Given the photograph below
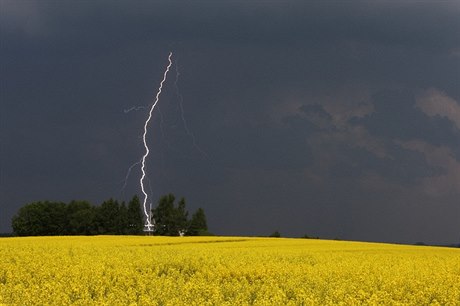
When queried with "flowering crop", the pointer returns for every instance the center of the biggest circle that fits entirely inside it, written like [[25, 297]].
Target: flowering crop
[[134, 270]]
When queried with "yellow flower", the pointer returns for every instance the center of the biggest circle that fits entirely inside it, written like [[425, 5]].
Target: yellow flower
[[134, 270]]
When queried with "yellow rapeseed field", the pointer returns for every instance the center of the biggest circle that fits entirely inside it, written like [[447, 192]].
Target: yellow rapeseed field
[[136, 270]]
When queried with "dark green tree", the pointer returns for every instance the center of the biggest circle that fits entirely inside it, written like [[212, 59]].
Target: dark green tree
[[40, 219], [110, 218], [122, 219], [106, 219], [198, 224], [135, 216], [27, 222], [181, 218], [55, 218], [163, 215], [80, 218], [169, 219]]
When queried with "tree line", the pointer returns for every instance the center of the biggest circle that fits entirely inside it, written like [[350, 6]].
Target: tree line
[[46, 218]]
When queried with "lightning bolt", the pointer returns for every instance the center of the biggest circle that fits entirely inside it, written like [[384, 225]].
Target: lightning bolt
[[181, 108], [125, 181], [148, 224], [134, 108]]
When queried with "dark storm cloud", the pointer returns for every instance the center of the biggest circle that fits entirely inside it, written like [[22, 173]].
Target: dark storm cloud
[[356, 156], [316, 110], [396, 116], [315, 117], [95, 26], [265, 147]]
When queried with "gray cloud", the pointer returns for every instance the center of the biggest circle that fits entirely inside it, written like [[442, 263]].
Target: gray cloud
[[432, 26], [435, 103], [321, 118], [447, 180], [396, 116]]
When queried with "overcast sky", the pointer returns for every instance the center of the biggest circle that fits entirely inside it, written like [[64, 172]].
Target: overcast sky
[[332, 119]]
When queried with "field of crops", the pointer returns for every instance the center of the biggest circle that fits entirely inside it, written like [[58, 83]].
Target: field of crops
[[123, 270]]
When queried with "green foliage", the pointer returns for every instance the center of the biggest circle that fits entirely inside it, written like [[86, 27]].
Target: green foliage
[[172, 220], [169, 219], [40, 219], [198, 224], [110, 218], [309, 237], [80, 218], [134, 217], [107, 217], [181, 218], [122, 219], [275, 234]]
